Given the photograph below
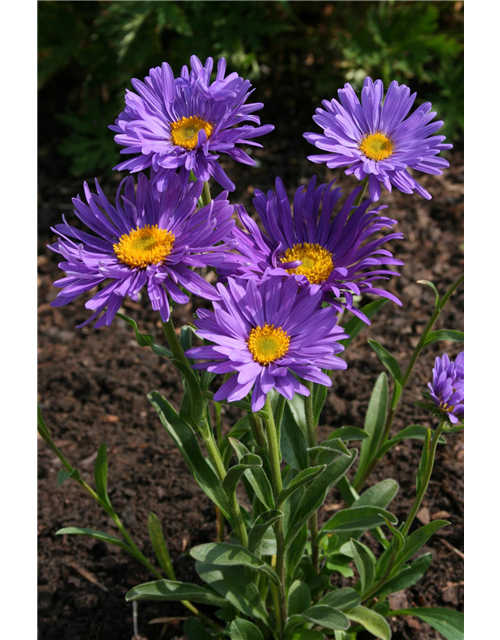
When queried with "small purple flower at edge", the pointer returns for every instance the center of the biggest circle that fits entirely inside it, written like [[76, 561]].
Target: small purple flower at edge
[[447, 387], [338, 254], [375, 139], [185, 123], [146, 239], [268, 333]]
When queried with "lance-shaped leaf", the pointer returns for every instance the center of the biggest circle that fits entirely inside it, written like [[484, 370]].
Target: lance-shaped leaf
[[192, 406], [319, 397], [358, 519], [416, 541], [255, 475], [444, 334], [92, 533], [430, 284], [185, 439], [348, 433], [248, 461], [260, 527], [195, 630], [387, 359], [306, 634], [413, 432], [379, 495], [244, 630], [407, 577], [299, 598], [448, 622], [146, 339], [63, 475], [365, 564], [160, 546], [345, 598], [322, 615], [303, 478], [170, 590], [232, 555], [374, 424], [236, 587], [316, 492], [293, 441], [295, 552], [371, 621]]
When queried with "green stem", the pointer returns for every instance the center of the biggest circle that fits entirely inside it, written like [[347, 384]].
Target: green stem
[[312, 441], [360, 195], [392, 412], [274, 458], [206, 198], [425, 481], [214, 453], [218, 430], [173, 341], [258, 432]]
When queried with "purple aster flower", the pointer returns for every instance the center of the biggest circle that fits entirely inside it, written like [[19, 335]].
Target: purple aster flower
[[340, 255], [447, 387], [375, 139], [147, 238], [184, 123], [268, 333]]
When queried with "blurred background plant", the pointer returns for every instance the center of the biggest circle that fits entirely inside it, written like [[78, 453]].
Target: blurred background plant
[[89, 51]]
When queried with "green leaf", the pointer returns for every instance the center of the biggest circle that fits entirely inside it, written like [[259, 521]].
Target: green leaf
[[194, 630], [295, 552], [193, 406], [255, 475], [316, 492], [224, 554], [303, 478], [430, 284], [63, 474], [407, 577], [319, 397], [171, 590], [236, 587], [365, 564], [299, 598], [413, 432], [322, 615], [185, 439], [101, 475], [387, 359], [303, 634], [260, 527], [416, 541], [374, 424], [444, 334], [244, 630], [159, 545], [448, 622], [293, 441], [248, 461], [379, 495], [92, 533], [345, 598], [146, 339], [348, 433], [371, 621], [356, 325], [358, 519]]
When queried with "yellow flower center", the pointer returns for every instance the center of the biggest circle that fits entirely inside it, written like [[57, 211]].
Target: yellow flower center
[[444, 406], [377, 146], [316, 261], [268, 343], [142, 247], [185, 131]]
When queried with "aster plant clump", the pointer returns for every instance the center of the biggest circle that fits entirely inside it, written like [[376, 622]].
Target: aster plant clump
[[291, 285]]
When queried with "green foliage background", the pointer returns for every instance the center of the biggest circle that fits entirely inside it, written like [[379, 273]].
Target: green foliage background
[[297, 52]]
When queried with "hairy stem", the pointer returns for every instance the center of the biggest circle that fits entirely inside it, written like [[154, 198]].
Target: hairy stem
[[312, 441], [274, 458]]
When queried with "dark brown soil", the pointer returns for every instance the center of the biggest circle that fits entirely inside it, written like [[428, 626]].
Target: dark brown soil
[[93, 386]]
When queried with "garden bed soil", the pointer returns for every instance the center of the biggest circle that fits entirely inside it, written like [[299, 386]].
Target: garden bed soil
[[93, 386]]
